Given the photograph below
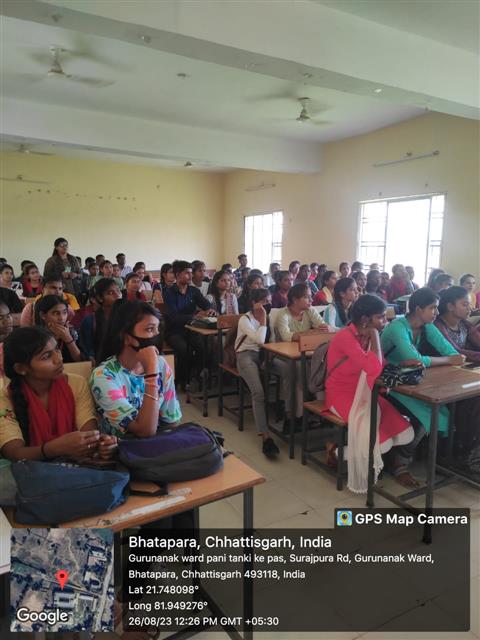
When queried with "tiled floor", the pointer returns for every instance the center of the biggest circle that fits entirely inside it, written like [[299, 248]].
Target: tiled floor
[[297, 496]]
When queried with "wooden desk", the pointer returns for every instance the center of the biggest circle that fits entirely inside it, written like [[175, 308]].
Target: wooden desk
[[290, 352], [440, 386], [205, 334]]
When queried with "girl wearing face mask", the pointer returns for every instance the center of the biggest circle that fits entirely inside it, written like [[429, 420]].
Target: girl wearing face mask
[[252, 333], [223, 300], [133, 388], [51, 312]]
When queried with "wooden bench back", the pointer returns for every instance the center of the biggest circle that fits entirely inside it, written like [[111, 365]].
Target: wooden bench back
[[310, 341], [228, 321]]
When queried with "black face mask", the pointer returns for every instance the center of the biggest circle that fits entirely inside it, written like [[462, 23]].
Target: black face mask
[[267, 307], [154, 341]]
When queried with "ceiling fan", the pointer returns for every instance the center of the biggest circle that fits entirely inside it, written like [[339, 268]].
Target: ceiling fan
[[304, 115], [21, 178], [27, 150]]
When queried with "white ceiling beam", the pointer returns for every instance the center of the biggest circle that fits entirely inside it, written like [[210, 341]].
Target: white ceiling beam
[[285, 39], [145, 138]]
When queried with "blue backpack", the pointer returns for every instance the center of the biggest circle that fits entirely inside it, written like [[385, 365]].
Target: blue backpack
[[175, 454], [50, 493]]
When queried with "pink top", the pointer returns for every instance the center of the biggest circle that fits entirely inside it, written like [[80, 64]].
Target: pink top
[[341, 385]]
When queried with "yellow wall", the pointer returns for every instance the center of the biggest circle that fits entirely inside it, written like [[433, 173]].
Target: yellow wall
[[321, 211], [151, 214]]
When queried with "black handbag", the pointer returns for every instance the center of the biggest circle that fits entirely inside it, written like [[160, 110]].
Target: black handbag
[[393, 375]]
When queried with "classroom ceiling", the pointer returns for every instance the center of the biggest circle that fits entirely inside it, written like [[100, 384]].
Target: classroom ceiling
[[162, 94]]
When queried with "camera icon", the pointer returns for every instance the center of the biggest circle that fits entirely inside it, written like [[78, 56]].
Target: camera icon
[[344, 519]]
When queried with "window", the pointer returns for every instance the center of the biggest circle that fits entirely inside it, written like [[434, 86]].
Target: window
[[263, 239], [403, 230]]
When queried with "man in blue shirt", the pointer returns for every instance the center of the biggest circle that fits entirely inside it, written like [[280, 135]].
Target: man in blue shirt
[[183, 302]]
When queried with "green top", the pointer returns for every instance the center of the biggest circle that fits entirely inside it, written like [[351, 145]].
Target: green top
[[398, 343]]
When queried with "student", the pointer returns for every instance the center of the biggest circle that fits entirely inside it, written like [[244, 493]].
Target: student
[[313, 271], [132, 288], [198, 277], [133, 388], [88, 262], [407, 340], [284, 282], [325, 295], [222, 300], [6, 328], [269, 278], [106, 271], [117, 272], [51, 287], [442, 281], [453, 311], [467, 281], [125, 269], [296, 318], [411, 276], [374, 285], [65, 266], [242, 261], [361, 280], [139, 269], [433, 274], [399, 284], [252, 333], [105, 294], [93, 276], [167, 277], [374, 266], [344, 269], [357, 266], [51, 312], [252, 282], [294, 268], [183, 301], [44, 413], [337, 314], [13, 302], [6, 276], [304, 276], [358, 345], [32, 282]]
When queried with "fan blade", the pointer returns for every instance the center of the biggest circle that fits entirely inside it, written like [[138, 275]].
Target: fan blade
[[21, 180], [40, 153], [98, 83]]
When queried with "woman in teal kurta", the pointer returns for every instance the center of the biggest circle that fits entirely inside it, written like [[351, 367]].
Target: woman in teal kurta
[[404, 340]]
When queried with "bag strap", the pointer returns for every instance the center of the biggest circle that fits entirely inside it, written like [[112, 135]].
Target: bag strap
[[341, 361], [242, 340]]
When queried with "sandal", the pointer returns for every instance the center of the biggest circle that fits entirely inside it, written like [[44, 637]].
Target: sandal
[[407, 480]]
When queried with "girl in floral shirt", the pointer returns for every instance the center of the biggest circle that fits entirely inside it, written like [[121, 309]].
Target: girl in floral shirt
[[133, 388]]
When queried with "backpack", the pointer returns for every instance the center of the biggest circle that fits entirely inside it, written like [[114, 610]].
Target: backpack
[[318, 371], [50, 493], [175, 454]]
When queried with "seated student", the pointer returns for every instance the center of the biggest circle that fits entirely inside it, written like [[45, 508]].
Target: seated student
[[467, 281], [6, 328], [325, 295], [356, 349], [411, 276], [125, 269], [344, 269], [400, 284], [51, 287], [442, 281], [105, 294], [132, 288], [51, 312], [183, 301], [269, 277], [431, 278], [374, 285], [65, 266], [90, 279], [32, 281], [221, 298], [361, 280], [117, 274], [253, 281], [167, 278], [294, 268], [106, 271], [337, 314], [139, 269], [244, 273], [453, 311], [239, 276], [304, 276], [99, 258], [13, 302], [314, 272], [357, 266], [6, 276], [44, 413], [252, 332], [23, 266], [321, 270], [374, 266], [283, 284], [88, 262], [384, 282], [133, 388], [407, 340], [198, 277]]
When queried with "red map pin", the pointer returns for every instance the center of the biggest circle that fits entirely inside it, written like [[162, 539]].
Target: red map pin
[[62, 577]]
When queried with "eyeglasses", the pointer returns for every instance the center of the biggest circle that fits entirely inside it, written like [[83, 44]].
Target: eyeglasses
[[63, 244]]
